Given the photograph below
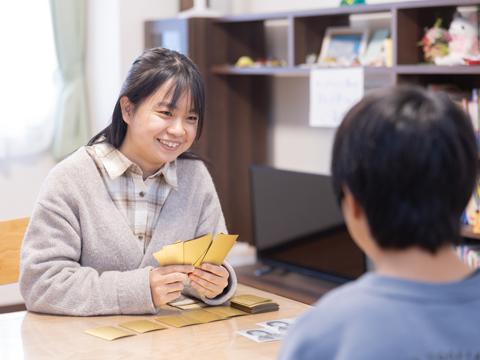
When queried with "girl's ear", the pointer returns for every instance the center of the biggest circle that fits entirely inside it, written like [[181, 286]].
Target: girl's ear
[[127, 109]]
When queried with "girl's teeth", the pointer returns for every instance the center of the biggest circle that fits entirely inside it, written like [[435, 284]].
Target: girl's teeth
[[169, 144]]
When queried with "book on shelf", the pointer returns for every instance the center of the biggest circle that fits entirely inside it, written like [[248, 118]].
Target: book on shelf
[[470, 254]]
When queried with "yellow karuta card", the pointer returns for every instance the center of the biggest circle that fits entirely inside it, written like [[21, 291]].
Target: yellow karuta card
[[200, 260], [202, 316], [142, 326], [189, 318], [109, 333], [195, 248], [174, 253], [191, 306], [219, 249], [161, 258], [177, 320], [248, 299], [225, 311]]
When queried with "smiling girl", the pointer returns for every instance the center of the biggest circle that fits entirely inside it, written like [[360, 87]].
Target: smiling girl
[[135, 188]]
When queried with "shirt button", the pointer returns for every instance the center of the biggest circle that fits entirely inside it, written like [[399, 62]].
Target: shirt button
[[142, 194], [140, 237]]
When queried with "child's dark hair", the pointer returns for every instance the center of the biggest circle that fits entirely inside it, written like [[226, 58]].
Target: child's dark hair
[[148, 73], [409, 158]]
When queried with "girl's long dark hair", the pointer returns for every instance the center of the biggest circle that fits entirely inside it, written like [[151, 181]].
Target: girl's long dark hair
[[148, 73]]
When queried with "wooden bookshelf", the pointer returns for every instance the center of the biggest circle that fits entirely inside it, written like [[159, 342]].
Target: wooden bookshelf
[[238, 102]]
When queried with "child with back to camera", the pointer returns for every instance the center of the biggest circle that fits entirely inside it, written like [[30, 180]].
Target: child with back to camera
[[403, 169], [135, 188]]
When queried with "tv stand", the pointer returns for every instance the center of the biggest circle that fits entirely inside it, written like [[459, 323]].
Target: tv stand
[[299, 287], [263, 270]]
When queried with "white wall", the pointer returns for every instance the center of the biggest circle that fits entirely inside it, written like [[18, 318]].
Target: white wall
[[115, 40], [103, 60], [133, 13]]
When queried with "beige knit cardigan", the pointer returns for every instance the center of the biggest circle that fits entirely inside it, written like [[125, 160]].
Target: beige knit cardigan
[[79, 257]]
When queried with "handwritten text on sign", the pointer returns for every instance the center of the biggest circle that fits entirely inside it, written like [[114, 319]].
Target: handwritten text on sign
[[333, 92]]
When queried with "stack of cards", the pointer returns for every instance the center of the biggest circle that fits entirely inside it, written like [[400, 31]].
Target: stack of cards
[[197, 251], [253, 304]]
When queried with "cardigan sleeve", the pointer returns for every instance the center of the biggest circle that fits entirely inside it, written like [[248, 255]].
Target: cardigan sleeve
[[52, 279], [212, 221]]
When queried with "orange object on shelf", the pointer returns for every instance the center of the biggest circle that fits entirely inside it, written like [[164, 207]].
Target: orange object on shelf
[[476, 226]]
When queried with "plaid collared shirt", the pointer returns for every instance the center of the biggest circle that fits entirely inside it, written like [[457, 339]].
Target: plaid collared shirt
[[139, 201]]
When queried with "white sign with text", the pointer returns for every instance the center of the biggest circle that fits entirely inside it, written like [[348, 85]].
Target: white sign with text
[[333, 91]]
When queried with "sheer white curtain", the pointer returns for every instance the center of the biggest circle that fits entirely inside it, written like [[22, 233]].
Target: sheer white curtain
[[71, 120], [27, 66]]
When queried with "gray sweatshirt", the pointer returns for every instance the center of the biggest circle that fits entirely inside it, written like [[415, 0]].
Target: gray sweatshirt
[[79, 257], [379, 317]]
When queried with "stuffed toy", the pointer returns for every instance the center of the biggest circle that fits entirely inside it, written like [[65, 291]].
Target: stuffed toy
[[463, 44]]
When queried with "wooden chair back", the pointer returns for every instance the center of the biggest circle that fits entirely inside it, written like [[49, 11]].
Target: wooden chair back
[[11, 236]]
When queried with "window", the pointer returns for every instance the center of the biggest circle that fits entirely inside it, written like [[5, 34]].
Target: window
[[27, 88]]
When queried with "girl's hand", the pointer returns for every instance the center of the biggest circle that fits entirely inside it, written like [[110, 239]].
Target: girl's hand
[[210, 281], [166, 283]]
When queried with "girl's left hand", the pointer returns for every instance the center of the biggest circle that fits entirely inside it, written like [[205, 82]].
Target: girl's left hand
[[210, 281]]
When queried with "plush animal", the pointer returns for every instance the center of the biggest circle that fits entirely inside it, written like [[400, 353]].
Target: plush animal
[[463, 44]]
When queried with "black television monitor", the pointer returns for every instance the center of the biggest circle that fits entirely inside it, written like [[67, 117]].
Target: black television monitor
[[299, 226]]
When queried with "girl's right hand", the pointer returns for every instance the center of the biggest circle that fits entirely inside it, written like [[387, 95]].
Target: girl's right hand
[[166, 283]]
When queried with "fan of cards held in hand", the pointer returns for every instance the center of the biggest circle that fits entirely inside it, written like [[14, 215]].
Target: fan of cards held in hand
[[197, 251]]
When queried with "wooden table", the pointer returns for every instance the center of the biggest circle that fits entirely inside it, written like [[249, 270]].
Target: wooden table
[[27, 335]]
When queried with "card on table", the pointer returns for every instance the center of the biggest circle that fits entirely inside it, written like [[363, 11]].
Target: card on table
[[109, 333], [142, 326], [253, 304], [249, 300], [261, 335], [226, 311], [281, 326], [190, 318], [186, 303]]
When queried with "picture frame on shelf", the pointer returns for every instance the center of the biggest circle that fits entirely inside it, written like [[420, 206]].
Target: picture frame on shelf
[[375, 54], [343, 46]]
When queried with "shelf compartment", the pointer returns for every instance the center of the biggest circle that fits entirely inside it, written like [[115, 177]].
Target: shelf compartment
[[233, 40], [465, 81], [466, 231], [410, 28], [308, 34]]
